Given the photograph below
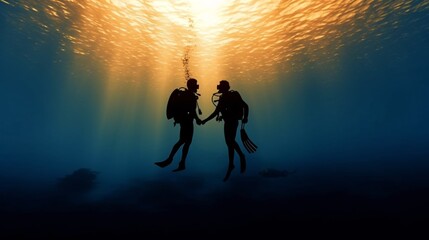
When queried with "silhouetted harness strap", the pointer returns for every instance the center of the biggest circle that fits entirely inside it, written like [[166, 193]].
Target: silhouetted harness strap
[[248, 144]]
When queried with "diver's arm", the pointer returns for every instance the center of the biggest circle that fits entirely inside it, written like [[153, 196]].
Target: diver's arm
[[246, 112], [194, 113], [216, 112], [197, 119]]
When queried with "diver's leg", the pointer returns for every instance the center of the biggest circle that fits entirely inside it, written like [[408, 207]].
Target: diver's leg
[[235, 146], [188, 132], [229, 139], [169, 160], [175, 148], [231, 163], [242, 157]]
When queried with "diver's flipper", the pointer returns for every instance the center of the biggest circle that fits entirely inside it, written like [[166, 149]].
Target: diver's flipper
[[228, 173], [164, 163], [248, 144], [249, 147]]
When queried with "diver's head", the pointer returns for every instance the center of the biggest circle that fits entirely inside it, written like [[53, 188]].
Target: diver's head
[[192, 85], [223, 86]]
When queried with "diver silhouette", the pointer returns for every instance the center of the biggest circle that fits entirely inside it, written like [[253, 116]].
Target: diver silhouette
[[231, 108], [182, 106]]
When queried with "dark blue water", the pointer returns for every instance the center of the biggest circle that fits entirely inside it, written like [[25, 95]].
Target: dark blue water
[[355, 134]]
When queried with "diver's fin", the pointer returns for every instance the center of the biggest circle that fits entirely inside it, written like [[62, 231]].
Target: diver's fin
[[228, 173], [164, 163], [250, 148], [248, 144]]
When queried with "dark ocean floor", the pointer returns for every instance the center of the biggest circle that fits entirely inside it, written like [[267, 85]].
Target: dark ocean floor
[[246, 206]]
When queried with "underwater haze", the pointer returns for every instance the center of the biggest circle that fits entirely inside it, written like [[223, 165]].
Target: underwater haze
[[338, 93]]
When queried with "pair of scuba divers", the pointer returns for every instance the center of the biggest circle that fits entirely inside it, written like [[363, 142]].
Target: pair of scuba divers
[[230, 108]]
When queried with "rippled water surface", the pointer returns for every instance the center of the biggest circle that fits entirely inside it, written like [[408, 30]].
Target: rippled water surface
[[217, 38], [338, 93]]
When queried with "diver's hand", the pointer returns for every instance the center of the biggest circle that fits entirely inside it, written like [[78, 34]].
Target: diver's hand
[[198, 121]]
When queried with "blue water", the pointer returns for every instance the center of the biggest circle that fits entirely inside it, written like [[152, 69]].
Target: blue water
[[356, 134]]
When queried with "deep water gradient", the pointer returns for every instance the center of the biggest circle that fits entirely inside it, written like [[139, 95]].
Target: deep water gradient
[[354, 131]]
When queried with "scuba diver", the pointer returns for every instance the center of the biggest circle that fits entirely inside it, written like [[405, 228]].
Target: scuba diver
[[182, 106], [230, 108]]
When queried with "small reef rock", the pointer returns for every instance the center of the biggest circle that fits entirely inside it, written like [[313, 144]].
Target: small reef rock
[[275, 173], [80, 181]]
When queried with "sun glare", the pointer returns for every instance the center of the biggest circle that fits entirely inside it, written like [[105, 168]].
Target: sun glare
[[239, 37], [207, 13], [127, 3]]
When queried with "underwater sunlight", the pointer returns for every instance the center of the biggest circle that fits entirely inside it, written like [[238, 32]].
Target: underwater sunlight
[[337, 103]]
